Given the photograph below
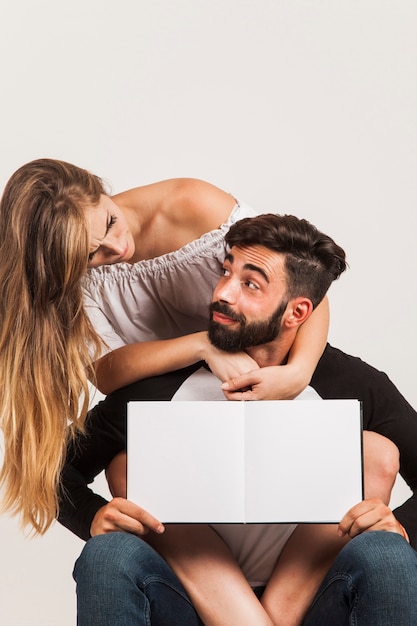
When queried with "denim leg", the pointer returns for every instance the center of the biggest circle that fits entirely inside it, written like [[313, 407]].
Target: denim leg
[[122, 581], [372, 582]]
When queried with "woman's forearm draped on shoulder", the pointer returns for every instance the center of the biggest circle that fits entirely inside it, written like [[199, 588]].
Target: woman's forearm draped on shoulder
[[150, 358], [139, 360]]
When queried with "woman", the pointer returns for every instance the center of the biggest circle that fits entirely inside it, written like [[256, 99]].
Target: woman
[[55, 222]]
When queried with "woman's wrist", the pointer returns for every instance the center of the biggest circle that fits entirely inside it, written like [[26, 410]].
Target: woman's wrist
[[300, 377], [203, 347]]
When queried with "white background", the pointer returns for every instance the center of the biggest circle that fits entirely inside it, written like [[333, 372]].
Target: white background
[[292, 105]]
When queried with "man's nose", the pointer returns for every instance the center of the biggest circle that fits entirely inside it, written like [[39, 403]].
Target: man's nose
[[228, 291]]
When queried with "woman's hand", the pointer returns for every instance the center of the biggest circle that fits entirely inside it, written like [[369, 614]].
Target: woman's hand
[[279, 382], [227, 365]]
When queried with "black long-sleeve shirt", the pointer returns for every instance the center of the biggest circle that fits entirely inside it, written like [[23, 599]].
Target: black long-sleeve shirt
[[337, 376]]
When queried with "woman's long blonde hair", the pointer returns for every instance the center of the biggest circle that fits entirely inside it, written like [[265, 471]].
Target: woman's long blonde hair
[[47, 343]]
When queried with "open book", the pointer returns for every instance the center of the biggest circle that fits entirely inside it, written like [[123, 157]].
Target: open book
[[266, 461]]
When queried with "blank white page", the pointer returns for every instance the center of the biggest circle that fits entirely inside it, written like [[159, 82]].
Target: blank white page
[[219, 462], [303, 460], [186, 460]]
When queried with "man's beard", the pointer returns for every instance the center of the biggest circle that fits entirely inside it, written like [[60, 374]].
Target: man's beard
[[247, 334]]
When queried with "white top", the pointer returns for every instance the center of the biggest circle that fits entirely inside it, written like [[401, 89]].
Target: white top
[[158, 298]]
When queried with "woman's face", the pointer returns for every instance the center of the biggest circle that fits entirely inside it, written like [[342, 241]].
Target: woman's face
[[110, 238]]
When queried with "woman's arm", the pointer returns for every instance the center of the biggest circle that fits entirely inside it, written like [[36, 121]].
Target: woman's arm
[[285, 382], [151, 358], [308, 347], [140, 360]]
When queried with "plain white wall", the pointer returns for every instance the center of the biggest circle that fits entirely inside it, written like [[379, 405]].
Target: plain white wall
[[293, 106]]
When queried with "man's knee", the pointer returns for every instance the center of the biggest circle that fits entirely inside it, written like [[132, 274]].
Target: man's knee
[[380, 553], [117, 554]]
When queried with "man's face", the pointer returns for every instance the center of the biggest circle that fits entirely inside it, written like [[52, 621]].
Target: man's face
[[249, 300]]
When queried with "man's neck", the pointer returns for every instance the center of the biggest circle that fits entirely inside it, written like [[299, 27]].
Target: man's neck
[[273, 353]]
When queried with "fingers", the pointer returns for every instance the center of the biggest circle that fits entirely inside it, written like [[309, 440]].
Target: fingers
[[233, 392], [135, 519], [266, 383], [240, 395], [371, 514], [123, 515], [245, 387], [244, 381]]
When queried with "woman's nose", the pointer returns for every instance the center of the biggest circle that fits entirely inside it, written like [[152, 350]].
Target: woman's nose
[[113, 246]]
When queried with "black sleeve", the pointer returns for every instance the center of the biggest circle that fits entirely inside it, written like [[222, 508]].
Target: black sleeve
[[105, 436], [87, 456], [385, 411]]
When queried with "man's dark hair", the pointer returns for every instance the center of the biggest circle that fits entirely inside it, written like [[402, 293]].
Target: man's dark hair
[[312, 259]]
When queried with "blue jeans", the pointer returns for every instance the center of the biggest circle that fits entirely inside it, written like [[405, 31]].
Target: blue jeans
[[121, 581], [372, 582]]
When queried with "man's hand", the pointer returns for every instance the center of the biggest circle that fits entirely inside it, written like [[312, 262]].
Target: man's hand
[[122, 515], [371, 514]]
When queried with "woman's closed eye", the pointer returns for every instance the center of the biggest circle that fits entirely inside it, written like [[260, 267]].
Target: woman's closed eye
[[110, 224]]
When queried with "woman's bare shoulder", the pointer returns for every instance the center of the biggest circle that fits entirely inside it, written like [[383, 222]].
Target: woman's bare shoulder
[[192, 205]]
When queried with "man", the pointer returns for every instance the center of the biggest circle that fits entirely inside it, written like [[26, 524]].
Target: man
[[277, 270]]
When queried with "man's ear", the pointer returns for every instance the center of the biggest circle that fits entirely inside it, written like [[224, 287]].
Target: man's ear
[[298, 311]]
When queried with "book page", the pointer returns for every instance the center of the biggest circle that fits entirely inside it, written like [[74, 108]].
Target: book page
[[186, 460], [303, 460]]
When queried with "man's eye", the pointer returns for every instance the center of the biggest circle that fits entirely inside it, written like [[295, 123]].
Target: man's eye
[[251, 285], [225, 272]]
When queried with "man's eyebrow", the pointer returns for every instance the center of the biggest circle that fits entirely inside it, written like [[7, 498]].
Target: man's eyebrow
[[255, 268], [248, 266]]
